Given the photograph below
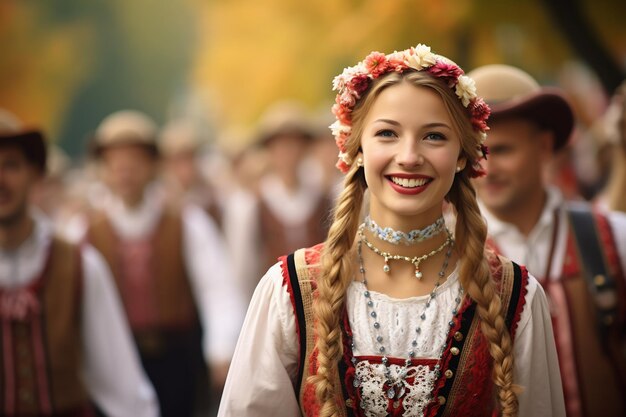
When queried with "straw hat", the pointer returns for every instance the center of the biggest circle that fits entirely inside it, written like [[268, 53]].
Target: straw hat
[[511, 92], [125, 127], [178, 137], [284, 118], [32, 142]]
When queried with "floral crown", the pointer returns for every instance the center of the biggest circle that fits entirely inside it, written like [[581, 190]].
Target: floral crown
[[355, 80]]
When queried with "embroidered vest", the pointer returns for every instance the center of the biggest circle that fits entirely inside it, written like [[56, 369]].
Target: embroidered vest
[[466, 362], [150, 275], [278, 238], [41, 342], [588, 316], [593, 369]]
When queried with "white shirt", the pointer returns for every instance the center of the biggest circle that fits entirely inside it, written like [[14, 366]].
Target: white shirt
[[111, 371], [263, 373], [241, 221], [533, 250], [219, 302]]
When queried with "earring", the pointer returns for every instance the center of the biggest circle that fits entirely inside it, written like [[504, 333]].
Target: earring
[[458, 169], [359, 162]]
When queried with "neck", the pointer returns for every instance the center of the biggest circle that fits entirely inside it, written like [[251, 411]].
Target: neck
[[132, 201], [410, 237], [526, 216], [14, 233], [289, 178]]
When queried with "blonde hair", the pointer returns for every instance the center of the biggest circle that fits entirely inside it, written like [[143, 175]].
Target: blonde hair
[[471, 231]]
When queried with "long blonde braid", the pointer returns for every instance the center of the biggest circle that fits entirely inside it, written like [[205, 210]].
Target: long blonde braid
[[335, 276], [475, 277]]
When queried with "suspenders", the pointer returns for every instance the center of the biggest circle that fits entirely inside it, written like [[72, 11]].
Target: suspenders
[[601, 283]]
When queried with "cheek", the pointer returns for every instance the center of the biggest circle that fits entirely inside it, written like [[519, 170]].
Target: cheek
[[375, 161]]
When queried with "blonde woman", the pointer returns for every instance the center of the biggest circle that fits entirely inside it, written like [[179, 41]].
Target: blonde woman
[[393, 316]]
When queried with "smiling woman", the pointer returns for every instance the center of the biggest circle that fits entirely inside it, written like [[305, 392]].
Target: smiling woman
[[409, 147], [364, 326]]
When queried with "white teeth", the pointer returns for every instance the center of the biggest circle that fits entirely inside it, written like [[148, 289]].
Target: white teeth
[[409, 182]]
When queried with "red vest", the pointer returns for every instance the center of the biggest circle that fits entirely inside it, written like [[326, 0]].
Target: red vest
[[151, 277], [466, 361], [593, 367], [41, 343], [277, 238]]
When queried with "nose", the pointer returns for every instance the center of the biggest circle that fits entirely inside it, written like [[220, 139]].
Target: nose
[[409, 155]]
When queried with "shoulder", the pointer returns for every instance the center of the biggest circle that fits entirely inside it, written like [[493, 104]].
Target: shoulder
[[617, 221], [508, 275], [273, 294]]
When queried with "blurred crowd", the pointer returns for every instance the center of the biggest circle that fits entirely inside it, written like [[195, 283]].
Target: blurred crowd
[[193, 226]]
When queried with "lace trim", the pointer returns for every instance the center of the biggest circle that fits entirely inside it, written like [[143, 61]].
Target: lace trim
[[417, 388]]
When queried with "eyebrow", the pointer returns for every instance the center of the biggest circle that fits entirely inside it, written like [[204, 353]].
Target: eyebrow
[[428, 125]]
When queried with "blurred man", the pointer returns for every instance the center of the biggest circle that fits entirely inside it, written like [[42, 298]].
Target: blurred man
[[290, 208], [169, 263], [180, 146], [65, 341], [578, 255]]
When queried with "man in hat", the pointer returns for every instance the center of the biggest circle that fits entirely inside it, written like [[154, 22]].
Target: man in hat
[[181, 146], [169, 263], [291, 206], [578, 255], [65, 341]]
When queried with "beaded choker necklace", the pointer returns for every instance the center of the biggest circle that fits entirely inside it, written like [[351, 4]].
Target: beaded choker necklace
[[416, 260], [394, 386], [396, 236]]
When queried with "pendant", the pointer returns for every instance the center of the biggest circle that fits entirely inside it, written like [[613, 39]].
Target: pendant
[[418, 273], [386, 267], [391, 393]]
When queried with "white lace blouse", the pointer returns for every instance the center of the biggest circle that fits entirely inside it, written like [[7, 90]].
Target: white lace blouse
[[264, 368]]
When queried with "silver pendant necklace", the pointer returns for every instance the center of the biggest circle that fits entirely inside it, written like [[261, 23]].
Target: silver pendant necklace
[[416, 260], [393, 386]]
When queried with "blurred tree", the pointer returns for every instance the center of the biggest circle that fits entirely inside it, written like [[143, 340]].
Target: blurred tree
[[585, 42], [42, 62], [143, 51], [66, 64]]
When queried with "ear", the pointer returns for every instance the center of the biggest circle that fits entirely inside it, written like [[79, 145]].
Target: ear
[[358, 159], [461, 162], [545, 140]]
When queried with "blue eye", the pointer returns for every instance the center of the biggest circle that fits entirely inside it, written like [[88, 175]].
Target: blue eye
[[435, 136], [386, 133]]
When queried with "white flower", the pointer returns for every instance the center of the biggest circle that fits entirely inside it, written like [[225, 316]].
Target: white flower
[[339, 82], [345, 158], [337, 128], [466, 90], [483, 137], [420, 57]]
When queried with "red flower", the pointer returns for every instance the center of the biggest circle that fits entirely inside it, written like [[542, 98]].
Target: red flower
[[340, 140], [346, 99], [376, 64], [396, 62], [450, 73], [480, 113], [342, 166], [359, 84], [342, 113]]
